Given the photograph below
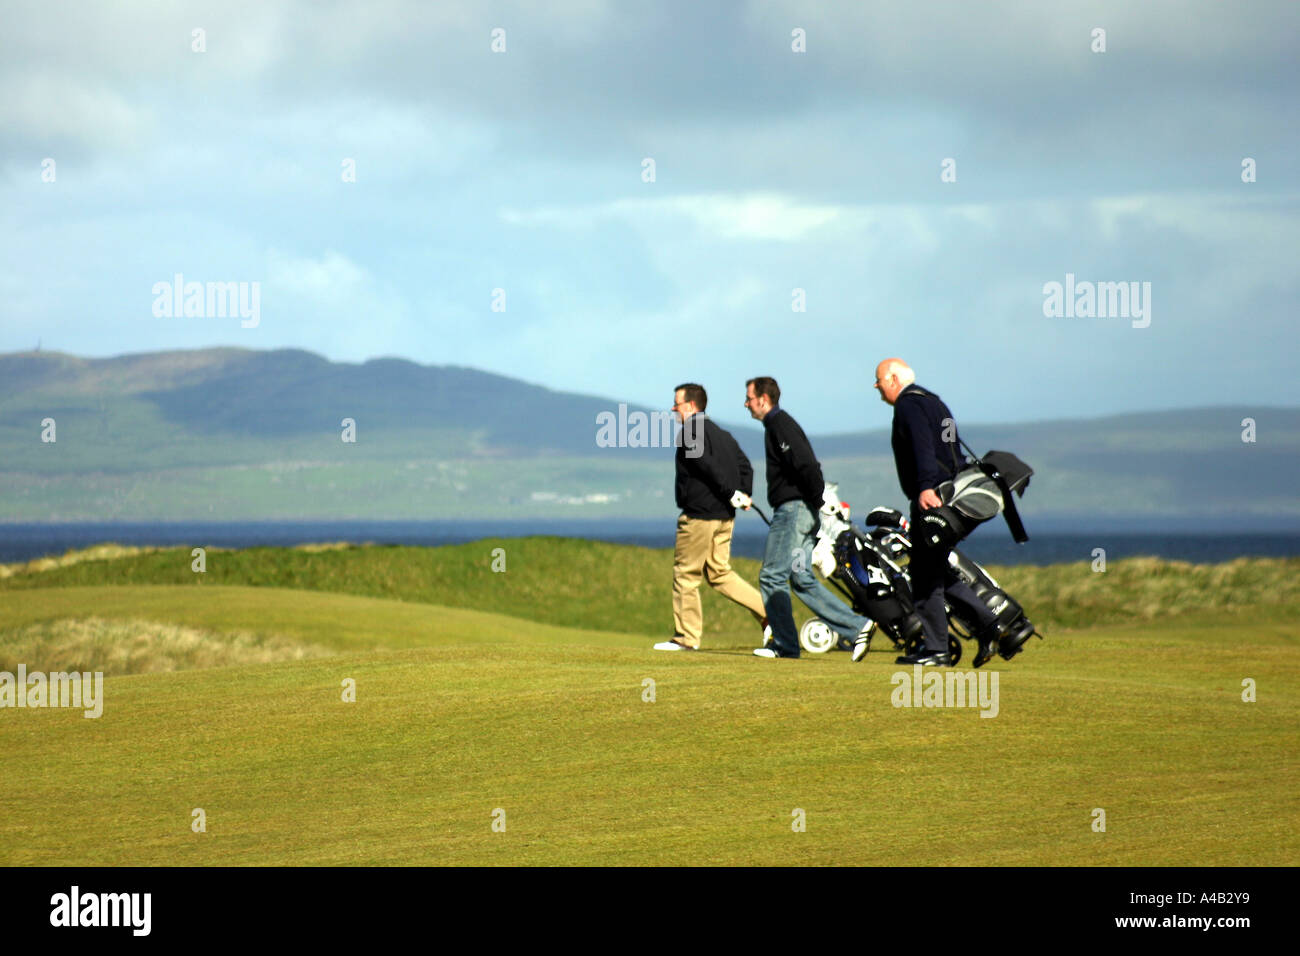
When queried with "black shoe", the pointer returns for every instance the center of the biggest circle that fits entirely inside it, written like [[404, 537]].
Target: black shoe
[[926, 658], [988, 641]]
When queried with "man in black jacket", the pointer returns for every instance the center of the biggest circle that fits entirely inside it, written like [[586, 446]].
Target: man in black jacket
[[713, 474], [795, 490], [926, 454]]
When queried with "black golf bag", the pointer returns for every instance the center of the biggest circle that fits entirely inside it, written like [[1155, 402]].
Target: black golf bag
[[1013, 627], [871, 570]]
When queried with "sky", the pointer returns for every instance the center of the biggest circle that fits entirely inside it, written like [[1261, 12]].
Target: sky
[[913, 173]]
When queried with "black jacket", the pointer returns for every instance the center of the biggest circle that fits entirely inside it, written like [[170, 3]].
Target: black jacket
[[922, 457], [792, 468], [706, 483]]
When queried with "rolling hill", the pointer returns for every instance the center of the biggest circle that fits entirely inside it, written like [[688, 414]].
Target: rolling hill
[[234, 434]]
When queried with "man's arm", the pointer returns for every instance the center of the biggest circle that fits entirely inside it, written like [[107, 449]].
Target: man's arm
[[711, 465], [745, 469], [743, 473], [807, 472], [925, 461]]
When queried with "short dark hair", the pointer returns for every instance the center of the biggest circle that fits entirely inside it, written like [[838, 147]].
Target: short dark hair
[[765, 385], [694, 393]]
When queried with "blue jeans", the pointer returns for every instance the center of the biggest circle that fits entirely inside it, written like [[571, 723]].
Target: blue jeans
[[787, 559]]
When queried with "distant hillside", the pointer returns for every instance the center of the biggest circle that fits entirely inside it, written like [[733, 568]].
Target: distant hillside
[[227, 403], [231, 434], [1189, 464]]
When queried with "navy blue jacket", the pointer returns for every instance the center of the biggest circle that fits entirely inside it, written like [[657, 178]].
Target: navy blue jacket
[[922, 457], [792, 468]]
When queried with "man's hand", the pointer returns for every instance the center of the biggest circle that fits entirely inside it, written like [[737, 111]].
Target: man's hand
[[741, 500], [929, 499]]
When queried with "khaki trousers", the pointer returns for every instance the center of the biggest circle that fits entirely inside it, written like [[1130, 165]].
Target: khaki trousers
[[704, 548]]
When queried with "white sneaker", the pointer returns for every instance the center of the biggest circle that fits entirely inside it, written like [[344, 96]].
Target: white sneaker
[[673, 646], [764, 652], [862, 643], [767, 634]]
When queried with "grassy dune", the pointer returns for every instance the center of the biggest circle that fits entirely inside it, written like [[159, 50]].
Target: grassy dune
[[134, 646], [331, 622], [460, 712], [595, 585]]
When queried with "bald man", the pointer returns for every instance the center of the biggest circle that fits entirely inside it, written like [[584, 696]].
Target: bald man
[[927, 452]]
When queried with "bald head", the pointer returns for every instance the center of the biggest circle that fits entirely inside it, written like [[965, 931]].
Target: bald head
[[892, 376]]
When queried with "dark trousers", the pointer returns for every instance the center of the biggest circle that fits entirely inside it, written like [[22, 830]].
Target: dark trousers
[[929, 570], [957, 591], [932, 581]]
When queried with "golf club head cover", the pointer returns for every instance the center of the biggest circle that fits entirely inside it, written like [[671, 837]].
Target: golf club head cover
[[887, 518]]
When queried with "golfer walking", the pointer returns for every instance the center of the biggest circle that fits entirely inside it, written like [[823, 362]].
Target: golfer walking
[[713, 477], [926, 454], [795, 490]]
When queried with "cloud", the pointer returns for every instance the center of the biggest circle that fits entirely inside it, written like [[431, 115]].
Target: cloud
[[776, 170], [322, 280], [760, 216], [67, 117]]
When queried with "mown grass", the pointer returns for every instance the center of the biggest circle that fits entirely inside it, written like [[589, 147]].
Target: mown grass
[[570, 582], [526, 691], [553, 727]]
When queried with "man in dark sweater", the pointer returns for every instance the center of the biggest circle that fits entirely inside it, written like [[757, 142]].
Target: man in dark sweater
[[795, 491], [713, 475], [926, 454]]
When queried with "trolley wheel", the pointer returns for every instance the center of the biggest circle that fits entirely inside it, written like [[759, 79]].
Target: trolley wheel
[[954, 650], [954, 647], [816, 636]]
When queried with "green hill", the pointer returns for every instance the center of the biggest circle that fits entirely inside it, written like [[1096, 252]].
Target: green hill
[[233, 434], [569, 582]]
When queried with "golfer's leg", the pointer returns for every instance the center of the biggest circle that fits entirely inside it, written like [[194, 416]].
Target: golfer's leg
[[724, 578], [688, 571], [774, 579], [819, 598], [927, 569], [823, 603], [958, 592]]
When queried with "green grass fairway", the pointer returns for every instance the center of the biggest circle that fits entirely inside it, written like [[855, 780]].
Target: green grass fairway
[[338, 621], [460, 713]]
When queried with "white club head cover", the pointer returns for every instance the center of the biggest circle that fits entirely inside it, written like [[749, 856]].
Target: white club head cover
[[831, 504], [823, 556]]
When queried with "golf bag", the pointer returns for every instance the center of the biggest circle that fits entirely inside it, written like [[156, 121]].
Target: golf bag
[[871, 569], [973, 495], [1013, 627]]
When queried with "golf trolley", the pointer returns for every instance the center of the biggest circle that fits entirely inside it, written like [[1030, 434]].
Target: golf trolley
[[871, 569]]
